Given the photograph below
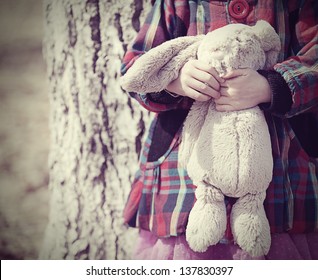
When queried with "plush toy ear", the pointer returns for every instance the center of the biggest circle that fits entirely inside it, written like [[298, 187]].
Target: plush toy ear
[[155, 69], [269, 40]]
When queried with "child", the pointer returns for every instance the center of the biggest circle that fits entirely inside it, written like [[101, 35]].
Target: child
[[162, 194]]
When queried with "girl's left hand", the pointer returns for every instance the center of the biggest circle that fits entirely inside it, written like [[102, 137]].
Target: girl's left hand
[[242, 89]]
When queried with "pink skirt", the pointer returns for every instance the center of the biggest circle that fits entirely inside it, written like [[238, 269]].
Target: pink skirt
[[284, 247]]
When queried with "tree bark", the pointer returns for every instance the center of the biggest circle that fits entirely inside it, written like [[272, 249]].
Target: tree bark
[[96, 129]]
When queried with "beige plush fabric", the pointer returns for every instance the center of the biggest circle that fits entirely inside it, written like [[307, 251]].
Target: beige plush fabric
[[153, 71], [225, 153]]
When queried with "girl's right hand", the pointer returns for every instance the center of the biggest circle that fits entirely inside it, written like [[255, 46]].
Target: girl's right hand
[[198, 81]]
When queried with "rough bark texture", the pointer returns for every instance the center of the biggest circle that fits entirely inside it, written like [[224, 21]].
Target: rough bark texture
[[96, 129]]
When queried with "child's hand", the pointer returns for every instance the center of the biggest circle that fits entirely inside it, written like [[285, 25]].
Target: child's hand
[[197, 80], [242, 89]]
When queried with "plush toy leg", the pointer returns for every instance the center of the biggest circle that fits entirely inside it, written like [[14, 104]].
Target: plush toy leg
[[207, 219], [250, 226]]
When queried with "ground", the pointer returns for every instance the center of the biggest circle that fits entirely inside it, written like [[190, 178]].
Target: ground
[[24, 130]]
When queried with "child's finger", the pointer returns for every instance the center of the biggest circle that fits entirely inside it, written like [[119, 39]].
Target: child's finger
[[234, 73], [215, 74], [206, 79], [196, 95], [224, 108], [209, 69], [203, 88]]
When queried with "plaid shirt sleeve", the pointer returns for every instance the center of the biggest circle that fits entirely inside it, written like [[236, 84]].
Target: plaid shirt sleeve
[[300, 71], [158, 28]]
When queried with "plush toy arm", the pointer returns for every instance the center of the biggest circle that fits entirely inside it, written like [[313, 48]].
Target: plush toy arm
[[191, 130], [154, 70]]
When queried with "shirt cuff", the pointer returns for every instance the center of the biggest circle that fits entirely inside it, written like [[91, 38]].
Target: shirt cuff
[[281, 101], [164, 97]]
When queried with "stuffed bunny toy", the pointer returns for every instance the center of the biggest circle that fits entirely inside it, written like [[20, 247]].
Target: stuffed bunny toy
[[224, 153]]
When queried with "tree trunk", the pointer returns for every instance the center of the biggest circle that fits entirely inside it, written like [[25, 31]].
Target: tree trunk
[[96, 129]]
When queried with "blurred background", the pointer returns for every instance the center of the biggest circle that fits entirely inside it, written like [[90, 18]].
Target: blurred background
[[24, 132]]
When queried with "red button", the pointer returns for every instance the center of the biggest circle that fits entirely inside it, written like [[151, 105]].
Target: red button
[[239, 9]]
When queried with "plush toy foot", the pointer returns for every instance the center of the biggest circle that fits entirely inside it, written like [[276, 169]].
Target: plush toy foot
[[250, 226], [207, 219]]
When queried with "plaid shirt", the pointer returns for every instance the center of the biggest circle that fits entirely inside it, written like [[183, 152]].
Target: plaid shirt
[[162, 194]]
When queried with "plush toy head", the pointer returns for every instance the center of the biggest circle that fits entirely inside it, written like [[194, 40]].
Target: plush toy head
[[240, 46]]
